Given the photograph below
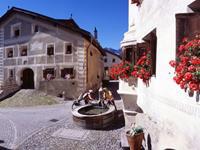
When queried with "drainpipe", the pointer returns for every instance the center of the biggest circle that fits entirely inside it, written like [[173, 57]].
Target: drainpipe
[[87, 50]]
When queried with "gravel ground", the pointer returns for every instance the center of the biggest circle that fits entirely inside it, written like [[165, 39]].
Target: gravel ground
[[25, 98], [95, 139]]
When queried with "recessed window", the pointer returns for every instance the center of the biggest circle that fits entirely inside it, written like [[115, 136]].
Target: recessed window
[[91, 53], [50, 49], [23, 50], [113, 60], [11, 73], [16, 30], [67, 73], [105, 60], [151, 43], [187, 25], [128, 51], [35, 28], [9, 52], [49, 73], [68, 48]]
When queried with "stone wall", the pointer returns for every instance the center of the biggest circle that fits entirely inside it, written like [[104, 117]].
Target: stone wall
[[56, 87], [10, 87]]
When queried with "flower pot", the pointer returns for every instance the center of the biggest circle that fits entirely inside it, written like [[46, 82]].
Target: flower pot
[[135, 142]]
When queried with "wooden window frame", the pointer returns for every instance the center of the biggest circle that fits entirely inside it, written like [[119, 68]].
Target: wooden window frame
[[185, 25], [151, 41]]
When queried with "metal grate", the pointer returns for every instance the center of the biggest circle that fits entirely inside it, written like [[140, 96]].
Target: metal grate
[[54, 120]]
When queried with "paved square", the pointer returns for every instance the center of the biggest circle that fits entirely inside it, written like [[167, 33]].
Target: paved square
[[71, 134]]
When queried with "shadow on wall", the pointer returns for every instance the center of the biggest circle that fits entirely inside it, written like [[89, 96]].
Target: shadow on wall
[[3, 148]]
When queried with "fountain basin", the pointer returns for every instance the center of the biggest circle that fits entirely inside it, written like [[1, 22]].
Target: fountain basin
[[93, 116]]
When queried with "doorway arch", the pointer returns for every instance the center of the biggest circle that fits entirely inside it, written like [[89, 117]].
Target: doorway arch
[[27, 79]]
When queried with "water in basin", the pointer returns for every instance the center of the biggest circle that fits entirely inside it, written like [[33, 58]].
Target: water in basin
[[92, 110]]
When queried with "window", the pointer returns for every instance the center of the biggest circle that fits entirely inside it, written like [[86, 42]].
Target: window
[[151, 43], [9, 52], [128, 54], [11, 73], [105, 60], [67, 73], [137, 2], [35, 28], [49, 74], [91, 53], [16, 30], [23, 50], [68, 48], [106, 69], [50, 49], [113, 60], [187, 25]]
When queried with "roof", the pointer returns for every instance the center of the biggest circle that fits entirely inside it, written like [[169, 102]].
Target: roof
[[69, 24], [112, 53], [195, 6]]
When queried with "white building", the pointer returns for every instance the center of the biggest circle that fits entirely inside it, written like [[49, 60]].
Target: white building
[[171, 118], [110, 59]]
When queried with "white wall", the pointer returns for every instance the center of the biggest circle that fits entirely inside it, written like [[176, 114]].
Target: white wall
[[110, 58], [163, 100]]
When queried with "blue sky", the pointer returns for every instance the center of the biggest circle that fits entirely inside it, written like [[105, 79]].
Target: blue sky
[[110, 17]]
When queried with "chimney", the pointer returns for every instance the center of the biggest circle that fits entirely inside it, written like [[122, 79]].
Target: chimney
[[95, 33]]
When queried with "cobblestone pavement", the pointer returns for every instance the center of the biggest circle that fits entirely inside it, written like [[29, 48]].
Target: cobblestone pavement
[[16, 124], [7, 132], [31, 129], [94, 140]]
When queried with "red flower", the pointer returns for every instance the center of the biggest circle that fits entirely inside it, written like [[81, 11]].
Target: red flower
[[181, 48], [188, 76], [191, 68], [172, 63], [193, 86], [187, 66]]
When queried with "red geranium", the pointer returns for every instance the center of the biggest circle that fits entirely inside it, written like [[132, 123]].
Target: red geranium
[[187, 64], [141, 70], [122, 70]]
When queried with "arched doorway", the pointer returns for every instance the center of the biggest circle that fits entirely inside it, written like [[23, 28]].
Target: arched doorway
[[27, 79]]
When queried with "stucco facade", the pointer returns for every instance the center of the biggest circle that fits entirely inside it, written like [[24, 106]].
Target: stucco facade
[[109, 60], [51, 48], [170, 116]]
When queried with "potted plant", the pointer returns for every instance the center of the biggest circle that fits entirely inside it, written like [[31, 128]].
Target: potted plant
[[135, 137]]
